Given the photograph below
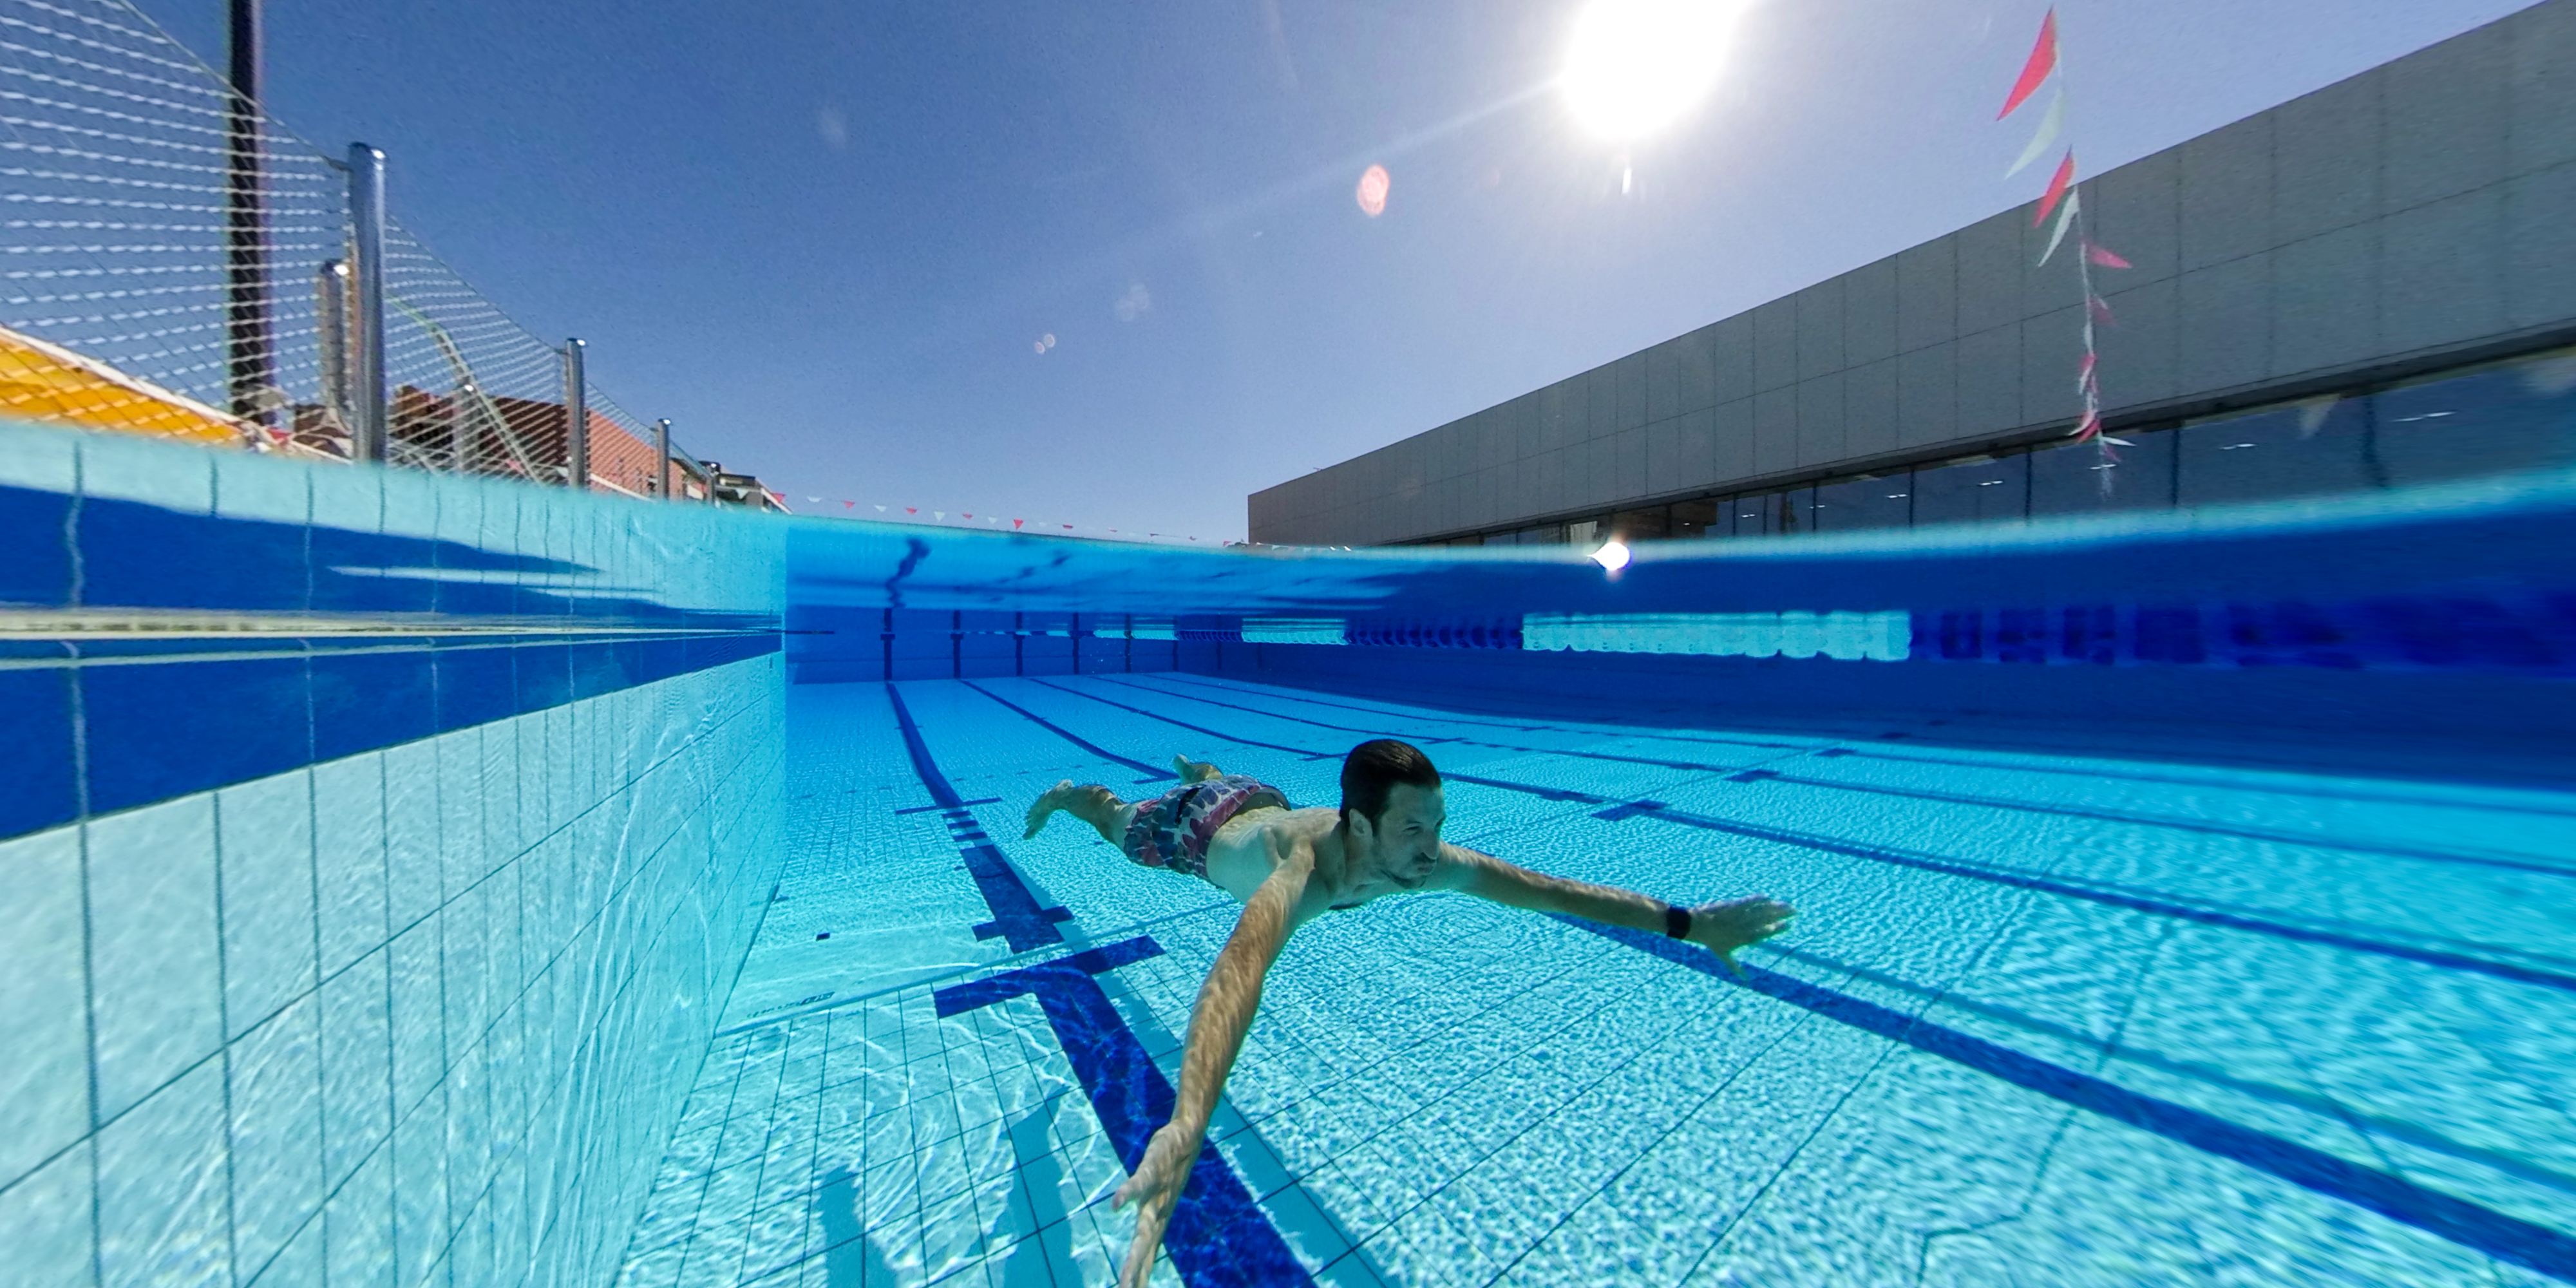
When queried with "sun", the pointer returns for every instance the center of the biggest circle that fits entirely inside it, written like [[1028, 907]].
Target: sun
[[1636, 65]]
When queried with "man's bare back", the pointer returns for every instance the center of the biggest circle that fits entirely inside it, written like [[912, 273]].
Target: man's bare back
[[1289, 866]]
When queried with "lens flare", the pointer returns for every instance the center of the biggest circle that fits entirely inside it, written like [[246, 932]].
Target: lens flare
[[1612, 556], [1372, 191], [1636, 65]]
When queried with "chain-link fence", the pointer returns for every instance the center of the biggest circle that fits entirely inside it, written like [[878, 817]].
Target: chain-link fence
[[177, 263]]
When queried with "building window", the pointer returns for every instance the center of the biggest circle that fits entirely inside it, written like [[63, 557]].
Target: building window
[[2073, 478], [2304, 449], [1700, 518], [1978, 489], [1633, 526], [1864, 503], [2505, 418]]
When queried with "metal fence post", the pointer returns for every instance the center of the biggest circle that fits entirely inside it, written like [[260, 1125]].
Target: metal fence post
[[576, 420], [367, 215], [331, 335], [253, 359], [662, 458]]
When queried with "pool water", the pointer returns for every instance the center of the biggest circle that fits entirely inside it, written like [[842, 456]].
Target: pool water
[[409, 879], [2060, 1018]]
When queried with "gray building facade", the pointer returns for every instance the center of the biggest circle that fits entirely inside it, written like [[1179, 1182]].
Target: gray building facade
[[2300, 279]]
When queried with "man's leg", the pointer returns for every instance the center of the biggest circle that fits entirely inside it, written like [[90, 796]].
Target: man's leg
[[1090, 802], [1193, 771]]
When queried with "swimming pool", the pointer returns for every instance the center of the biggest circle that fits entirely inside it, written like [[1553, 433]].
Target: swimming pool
[[423, 880]]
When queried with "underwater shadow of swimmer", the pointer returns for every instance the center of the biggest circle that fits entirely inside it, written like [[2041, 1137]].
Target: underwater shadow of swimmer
[[850, 1259]]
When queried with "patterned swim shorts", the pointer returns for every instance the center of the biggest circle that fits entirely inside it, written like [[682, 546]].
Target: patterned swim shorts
[[1173, 830]]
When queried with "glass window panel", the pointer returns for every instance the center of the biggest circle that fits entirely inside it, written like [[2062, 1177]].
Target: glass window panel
[[1467, 541], [1792, 510], [1855, 505], [1545, 535], [2305, 449], [1632, 526], [1976, 490], [1700, 518], [1750, 515], [1582, 532], [2070, 478], [2512, 416]]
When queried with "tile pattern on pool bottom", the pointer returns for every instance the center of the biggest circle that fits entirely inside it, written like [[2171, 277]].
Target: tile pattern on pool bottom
[[2042, 1020]]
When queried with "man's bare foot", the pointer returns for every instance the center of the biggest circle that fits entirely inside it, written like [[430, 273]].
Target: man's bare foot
[[1048, 802]]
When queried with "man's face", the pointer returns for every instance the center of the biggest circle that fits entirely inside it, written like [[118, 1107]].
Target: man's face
[[1406, 842]]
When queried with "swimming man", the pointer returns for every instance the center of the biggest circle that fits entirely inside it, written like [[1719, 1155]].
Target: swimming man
[[1291, 865]]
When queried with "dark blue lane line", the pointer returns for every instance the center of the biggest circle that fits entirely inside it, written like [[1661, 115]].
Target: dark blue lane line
[[2232, 921], [2207, 917], [2183, 780], [1076, 739], [2505, 1238], [1017, 918], [1305, 696], [2174, 824], [2395, 1129], [1499, 746], [1232, 738], [1218, 1237]]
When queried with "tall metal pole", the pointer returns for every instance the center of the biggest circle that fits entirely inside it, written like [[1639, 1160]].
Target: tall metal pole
[[252, 360], [576, 420], [331, 335], [367, 216], [662, 458]]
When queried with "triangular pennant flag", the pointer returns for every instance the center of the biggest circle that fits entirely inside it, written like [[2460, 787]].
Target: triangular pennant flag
[[2050, 126], [2057, 186], [2101, 310], [2034, 72], [970, 516], [2065, 220], [2117, 442], [941, 515], [2087, 427], [912, 509], [2084, 373], [1015, 524], [849, 505], [2103, 255], [880, 509]]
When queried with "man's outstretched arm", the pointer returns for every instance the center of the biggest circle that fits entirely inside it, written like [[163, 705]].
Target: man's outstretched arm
[[1223, 1014], [1720, 927]]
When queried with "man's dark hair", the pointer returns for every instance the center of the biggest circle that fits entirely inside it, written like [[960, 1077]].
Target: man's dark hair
[[1373, 769]]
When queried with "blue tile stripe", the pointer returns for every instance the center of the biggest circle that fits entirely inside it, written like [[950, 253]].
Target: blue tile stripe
[[150, 731], [2505, 1238], [1219, 1237], [1017, 917], [1077, 740]]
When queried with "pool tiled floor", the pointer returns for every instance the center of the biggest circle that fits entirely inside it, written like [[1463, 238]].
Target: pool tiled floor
[[2043, 1021]]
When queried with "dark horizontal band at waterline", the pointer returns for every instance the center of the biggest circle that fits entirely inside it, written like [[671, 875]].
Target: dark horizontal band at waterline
[[142, 733]]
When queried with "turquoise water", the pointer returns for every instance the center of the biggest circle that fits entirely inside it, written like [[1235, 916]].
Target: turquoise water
[[424, 880], [1440, 1091]]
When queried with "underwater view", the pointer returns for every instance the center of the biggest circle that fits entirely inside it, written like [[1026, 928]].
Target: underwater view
[[1563, 642]]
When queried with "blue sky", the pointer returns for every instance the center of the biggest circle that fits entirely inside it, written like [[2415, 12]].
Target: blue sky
[[825, 238]]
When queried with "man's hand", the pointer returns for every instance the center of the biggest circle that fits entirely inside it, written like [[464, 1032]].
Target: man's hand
[[1724, 927], [1154, 1188]]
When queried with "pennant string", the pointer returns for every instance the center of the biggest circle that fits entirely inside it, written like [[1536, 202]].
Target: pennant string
[[2050, 126], [2065, 220], [2042, 61]]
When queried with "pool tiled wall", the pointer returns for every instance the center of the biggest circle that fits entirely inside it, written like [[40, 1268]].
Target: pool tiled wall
[[380, 852]]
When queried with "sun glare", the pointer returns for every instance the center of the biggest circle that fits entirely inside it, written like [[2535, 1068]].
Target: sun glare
[[1635, 65]]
